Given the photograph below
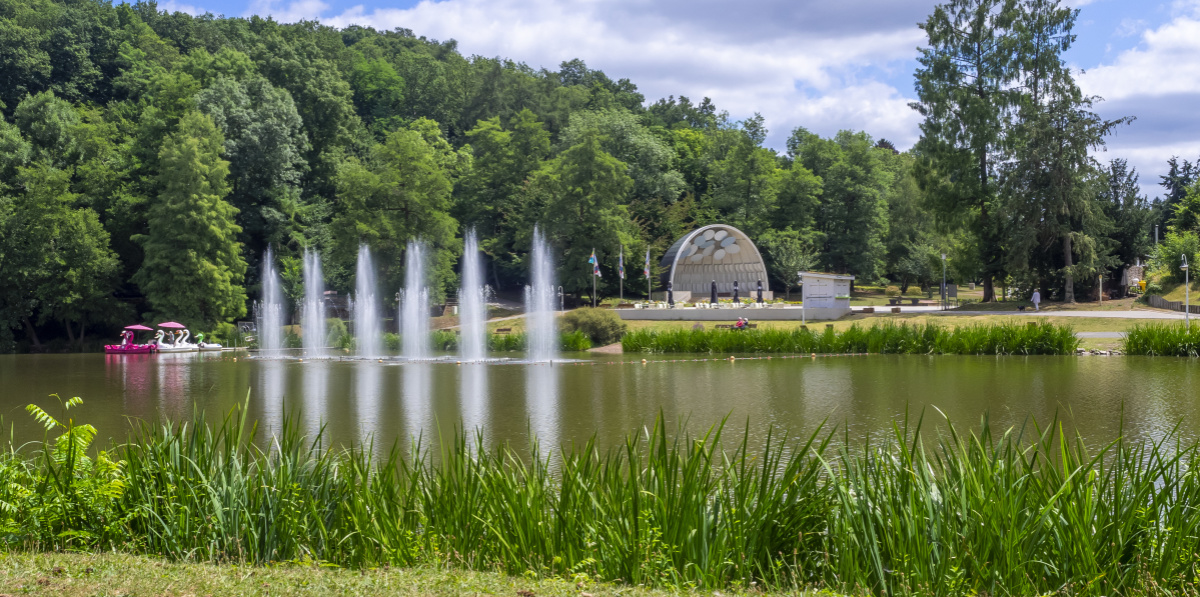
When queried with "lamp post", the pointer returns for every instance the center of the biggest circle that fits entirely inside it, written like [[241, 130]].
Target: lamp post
[[1156, 234], [800, 281], [1187, 298], [943, 281], [561, 304]]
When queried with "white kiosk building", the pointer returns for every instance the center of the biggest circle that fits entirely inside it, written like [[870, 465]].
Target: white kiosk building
[[825, 296]]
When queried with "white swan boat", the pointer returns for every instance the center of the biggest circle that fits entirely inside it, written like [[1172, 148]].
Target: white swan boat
[[179, 344]]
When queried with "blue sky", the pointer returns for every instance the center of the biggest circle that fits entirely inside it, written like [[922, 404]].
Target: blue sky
[[823, 65]]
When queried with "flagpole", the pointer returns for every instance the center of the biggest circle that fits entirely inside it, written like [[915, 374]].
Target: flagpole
[[622, 272], [594, 289]]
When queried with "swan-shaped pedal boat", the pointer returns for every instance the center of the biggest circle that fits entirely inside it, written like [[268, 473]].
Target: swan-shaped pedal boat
[[178, 343], [127, 346]]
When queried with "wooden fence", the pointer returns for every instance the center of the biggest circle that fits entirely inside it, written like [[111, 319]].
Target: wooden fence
[[1159, 302]]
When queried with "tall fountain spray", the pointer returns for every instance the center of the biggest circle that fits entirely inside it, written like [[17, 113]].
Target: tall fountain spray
[[414, 304], [472, 303], [312, 314], [540, 327], [365, 310], [270, 308]]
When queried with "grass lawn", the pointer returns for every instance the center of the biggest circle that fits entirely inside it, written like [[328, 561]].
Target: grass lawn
[[1079, 324], [88, 575]]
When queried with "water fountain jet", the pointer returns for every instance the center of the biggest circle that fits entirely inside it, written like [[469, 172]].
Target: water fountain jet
[[414, 304], [364, 311], [472, 303], [541, 329], [312, 315], [270, 308]]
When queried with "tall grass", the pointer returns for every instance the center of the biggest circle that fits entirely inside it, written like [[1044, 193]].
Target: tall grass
[[446, 340], [1003, 338], [1162, 339], [998, 512]]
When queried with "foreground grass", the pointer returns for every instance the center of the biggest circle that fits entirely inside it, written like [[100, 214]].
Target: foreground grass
[[127, 575], [1036, 339], [1028, 511]]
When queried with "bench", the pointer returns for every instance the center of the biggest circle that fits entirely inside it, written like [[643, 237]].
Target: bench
[[729, 326], [625, 306], [502, 330]]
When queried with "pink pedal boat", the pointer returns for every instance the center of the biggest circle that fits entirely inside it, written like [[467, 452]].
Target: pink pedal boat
[[127, 345]]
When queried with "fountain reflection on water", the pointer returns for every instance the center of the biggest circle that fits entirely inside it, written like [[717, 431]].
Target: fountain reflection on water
[[540, 328], [312, 315], [414, 304], [270, 307], [364, 310]]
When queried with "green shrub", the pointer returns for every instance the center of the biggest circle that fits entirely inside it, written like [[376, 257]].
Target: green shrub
[[1154, 288], [576, 341], [338, 335], [893, 291], [391, 341], [602, 326], [225, 334], [1167, 258]]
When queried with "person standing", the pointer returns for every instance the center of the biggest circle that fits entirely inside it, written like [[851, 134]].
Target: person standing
[[1037, 298]]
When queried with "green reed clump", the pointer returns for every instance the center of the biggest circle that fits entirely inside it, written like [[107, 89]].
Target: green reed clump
[[1003, 338], [1162, 339], [999, 512], [447, 341]]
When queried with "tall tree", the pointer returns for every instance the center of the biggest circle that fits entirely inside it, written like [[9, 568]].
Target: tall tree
[[400, 192], [582, 189], [193, 267], [965, 95]]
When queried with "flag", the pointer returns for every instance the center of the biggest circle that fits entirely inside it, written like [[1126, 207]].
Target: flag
[[596, 270], [621, 264], [592, 259], [646, 268]]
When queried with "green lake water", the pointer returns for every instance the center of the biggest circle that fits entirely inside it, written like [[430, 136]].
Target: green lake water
[[609, 397]]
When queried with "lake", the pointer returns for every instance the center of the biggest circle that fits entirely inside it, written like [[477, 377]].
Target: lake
[[608, 397]]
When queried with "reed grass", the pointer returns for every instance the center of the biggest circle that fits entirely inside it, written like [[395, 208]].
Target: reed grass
[[1162, 339], [447, 341], [1021, 511], [993, 339]]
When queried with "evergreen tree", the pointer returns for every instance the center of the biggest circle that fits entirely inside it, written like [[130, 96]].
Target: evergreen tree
[[193, 267], [580, 196]]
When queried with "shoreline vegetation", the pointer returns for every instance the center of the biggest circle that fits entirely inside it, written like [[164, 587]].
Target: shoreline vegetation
[[990, 339], [988, 511]]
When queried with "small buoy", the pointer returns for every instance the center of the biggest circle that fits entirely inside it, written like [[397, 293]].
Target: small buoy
[[235, 359], [643, 361], [380, 360], [458, 362]]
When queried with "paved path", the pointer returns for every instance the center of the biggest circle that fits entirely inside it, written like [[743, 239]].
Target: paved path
[[1108, 335], [1101, 314]]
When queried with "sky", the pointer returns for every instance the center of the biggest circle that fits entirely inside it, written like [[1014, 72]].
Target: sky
[[824, 65]]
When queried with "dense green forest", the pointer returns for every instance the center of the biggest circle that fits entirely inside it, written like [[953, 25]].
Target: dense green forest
[[147, 159]]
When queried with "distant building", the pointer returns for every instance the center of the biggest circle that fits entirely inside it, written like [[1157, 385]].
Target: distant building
[[825, 296], [717, 252]]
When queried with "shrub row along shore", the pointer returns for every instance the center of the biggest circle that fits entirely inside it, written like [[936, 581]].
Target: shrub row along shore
[[1163, 340], [989, 512], [994, 339]]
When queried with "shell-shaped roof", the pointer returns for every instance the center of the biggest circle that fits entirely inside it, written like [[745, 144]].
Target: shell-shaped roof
[[717, 252]]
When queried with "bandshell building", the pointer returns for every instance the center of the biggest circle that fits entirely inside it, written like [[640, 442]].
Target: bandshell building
[[716, 252]]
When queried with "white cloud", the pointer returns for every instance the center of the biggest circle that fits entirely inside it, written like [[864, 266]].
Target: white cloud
[[811, 63], [288, 12], [172, 6], [1158, 81]]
